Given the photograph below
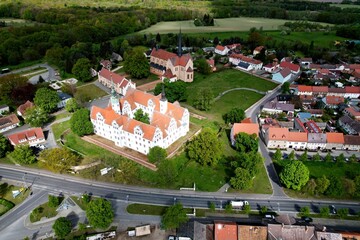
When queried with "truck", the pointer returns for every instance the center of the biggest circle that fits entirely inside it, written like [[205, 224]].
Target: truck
[[238, 204]]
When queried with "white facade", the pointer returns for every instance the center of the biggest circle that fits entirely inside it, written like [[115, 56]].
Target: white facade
[[297, 145], [221, 50]]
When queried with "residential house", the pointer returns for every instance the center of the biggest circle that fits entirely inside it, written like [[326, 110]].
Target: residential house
[[353, 112], [234, 46], [294, 68], [316, 141], [113, 80], [276, 137], [246, 232], [274, 107], [246, 63], [349, 125], [351, 143], [106, 64], [221, 50], [328, 236], [305, 62], [334, 140], [225, 230], [297, 140], [23, 107], [258, 50], [249, 128], [211, 63], [290, 232], [320, 91], [201, 231], [299, 125], [332, 101], [31, 137], [316, 112], [350, 235], [270, 67], [282, 76], [8, 122], [64, 97], [168, 121], [4, 109]]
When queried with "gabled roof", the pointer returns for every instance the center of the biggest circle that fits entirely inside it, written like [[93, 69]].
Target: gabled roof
[[352, 140], [162, 54], [333, 100], [309, 59], [252, 232], [304, 88], [243, 58], [180, 61], [211, 62], [352, 111], [220, 48], [116, 78], [291, 66], [285, 72], [320, 89], [352, 89], [334, 137], [249, 128], [22, 108], [259, 48], [225, 231], [24, 136], [8, 121], [316, 138], [276, 133], [297, 137]]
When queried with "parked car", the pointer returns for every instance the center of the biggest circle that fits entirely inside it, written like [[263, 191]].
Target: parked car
[[269, 216], [307, 219], [332, 209]]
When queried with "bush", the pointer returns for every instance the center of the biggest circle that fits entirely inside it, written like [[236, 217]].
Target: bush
[[6, 203]]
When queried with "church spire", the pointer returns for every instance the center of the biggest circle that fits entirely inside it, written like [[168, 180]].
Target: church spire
[[179, 44], [163, 97]]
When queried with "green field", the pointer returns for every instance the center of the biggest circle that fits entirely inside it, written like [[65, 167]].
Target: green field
[[221, 25], [345, 5], [89, 92]]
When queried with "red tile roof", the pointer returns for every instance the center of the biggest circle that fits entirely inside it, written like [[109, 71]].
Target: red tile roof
[[354, 66], [162, 54], [352, 89], [220, 48], [116, 78], [285, 72], [276, 133], [304, 88], [334, 137], [297, 137], [337, 90], [334, 100], [352, 140], [225, 231], [8, 121], [245, 59], [291, 66], [259, 48], [24, 136], [320, 89], [181, 61], [22, 108], [247, 120], [352, 112], [249, 128]]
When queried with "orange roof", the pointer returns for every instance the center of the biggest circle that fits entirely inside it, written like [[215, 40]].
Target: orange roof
[[211, 62], [162, 54], [22, 108], [23, 137], [353, 112], [245, 59], [320, 89], [276, 133], [304, 88], [259, 48], [225, 231], [334, 137], [246, 120], [220, 48], [291, 66], [352, 89], [249, 128], [116, 78], [181, 61], [354, 66], [334, 100], [297, 137]]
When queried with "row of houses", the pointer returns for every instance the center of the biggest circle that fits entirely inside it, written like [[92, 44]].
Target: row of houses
[[322, 91]]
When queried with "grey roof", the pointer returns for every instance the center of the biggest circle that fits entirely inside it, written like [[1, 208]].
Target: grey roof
[[63, 96], [203, 231], [328, 236], [285, 232], [316, 138], [279, 106], [350, 122], [286, 124]]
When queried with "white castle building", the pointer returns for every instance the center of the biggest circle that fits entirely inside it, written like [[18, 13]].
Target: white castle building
[[168, 121]]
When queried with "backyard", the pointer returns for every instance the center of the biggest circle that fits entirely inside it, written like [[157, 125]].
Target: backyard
[[89, 92]]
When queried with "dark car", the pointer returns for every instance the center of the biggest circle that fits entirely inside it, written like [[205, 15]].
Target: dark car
[[332, 209], [307, 219]]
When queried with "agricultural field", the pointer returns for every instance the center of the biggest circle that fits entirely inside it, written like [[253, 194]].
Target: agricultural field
[[345, 5], [221, 25]]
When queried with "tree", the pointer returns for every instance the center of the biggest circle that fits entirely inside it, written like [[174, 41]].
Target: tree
[[343, 212], [53, 201], [247, 208], [353, 158], [245, 143], [310, 186], [80, 122], [324, 212], [303, 157], [294, 175], [328, 158], [36, 117], [62, 227], [157, 154], [251, 161], [158, 38], [174, 91], [9, 84], [242, 179], [167, 172], [263, 209], [81, 69], [58, 159], [202, 66], [235, 115], [335, 188], [291, 156], [141, 116], [136, 64], [5, 146], [285, 88], [305, 211], [203, 99], [205, 148], [277, 155], [46, 99], [100, 213], [357, 186], [212, 207], [174, 216], [72, 105], [228, 208], [322, 184], [23, 154], [316, 157], [340, 158]]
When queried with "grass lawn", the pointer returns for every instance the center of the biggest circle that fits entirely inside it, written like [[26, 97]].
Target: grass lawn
[[145, 209], [42, 211], [143, 81], [62, 115], [6, 193], [59, 128], [90, 92]]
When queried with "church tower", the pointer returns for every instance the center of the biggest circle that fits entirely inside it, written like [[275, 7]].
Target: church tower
[[114, 100], [163, 101]]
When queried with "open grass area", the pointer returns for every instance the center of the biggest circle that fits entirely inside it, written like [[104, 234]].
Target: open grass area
[[59, 128], [221, 25], [90, 91], [345, 5], [156, 210], [62, 115], [42, 211], [7, 201]]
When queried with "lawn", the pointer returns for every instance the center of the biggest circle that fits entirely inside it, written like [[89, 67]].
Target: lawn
[[90, 92], [145, 209], [62, 115], [6, 193], [42, 211], [221, 25], [59, 128]]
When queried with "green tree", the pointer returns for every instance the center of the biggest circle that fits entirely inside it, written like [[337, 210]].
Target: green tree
[[36, 117], [328, 158], [46, 99], [277, 155], [294, 175], [100, 213], [8, 86], [174, 91], [58, 159], [23, 155], [228, 208], [263, 209], [167, 172], [62, 227], [335, 188], [291, 156], [157, 154], [310, 187], [251, 161], [203, 99], [305, 211], [235, 115], [316, 157], [86, 198], [303, 157], [340, 158], [285, 88], [53, 201], [343, 212], [245, 143], [322, 184], [202, 66], [242, 179], [247, 208], [212, 207], [80, 122], [205, 148], [5, 146], [136, 64], [353, 158], [174, 216], [72, 105], [324, 212], [357, 186], [141, 116], [81, 69]]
